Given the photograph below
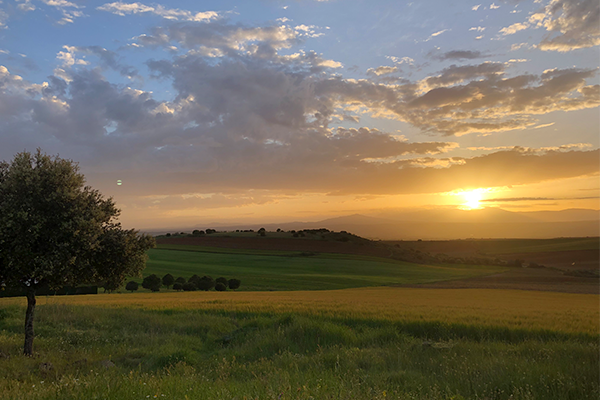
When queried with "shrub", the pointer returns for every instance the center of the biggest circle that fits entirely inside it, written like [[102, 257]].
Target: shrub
[[194, 279], [189, 287], [220, 287], [223, 281], [178, 286], [234, 284], [152, 282], [168, 280], [206, 283], [132, 286]]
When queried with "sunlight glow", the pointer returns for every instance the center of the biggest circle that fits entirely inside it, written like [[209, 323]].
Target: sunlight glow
[[472, 199]]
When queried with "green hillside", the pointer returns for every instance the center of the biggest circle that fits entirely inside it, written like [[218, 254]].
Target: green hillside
[[299, 271]]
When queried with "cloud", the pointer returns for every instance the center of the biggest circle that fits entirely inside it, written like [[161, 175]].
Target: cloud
[[107, 58], [460, 55], [436, 34], [571, 25], [383, 70], [122, 9], [514, 28], [477, 28], [246, 116], [475, 8], [511, 199], [25, 5], [494, 6], [65, 7]]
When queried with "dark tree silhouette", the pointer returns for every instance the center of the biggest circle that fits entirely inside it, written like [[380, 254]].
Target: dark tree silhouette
[[222, 280], [56, 232], [206, 283], [152, 282], [234, 284], [132, 286], [168, 280], [219, 287]]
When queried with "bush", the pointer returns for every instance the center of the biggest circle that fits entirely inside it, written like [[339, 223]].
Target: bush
[[178, 286], [206, 283], [223, 281], [194, 279], [234, 284], [197, 232], [220, 287], [189, 287], [152, 282], [168, 280], [132, 286]]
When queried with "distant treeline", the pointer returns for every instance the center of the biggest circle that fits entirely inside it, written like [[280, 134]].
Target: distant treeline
[[195, 282]]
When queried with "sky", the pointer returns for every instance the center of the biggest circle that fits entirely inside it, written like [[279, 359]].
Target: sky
[[190, 112]]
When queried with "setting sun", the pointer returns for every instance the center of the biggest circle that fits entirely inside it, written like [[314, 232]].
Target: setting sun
[[472, 199]]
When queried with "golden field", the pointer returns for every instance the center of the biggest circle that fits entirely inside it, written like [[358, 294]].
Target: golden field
[[514, 309]]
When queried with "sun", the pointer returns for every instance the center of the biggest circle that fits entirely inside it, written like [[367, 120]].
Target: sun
[[472, 199]]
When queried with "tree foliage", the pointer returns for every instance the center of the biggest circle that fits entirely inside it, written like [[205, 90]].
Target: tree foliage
[[206, 283], [222, 280], [56, 231], [152, 282], [234, 284], [220, 287], [168, 280], [132, 286]]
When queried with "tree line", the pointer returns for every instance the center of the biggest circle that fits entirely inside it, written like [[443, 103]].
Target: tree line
[[154, 283]]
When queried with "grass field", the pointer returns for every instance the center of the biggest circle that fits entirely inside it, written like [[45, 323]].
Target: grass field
[[506, 246], [280, 270], [368, 343]]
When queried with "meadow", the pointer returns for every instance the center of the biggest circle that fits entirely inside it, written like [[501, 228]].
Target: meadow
[[368, 343], [286, 270]]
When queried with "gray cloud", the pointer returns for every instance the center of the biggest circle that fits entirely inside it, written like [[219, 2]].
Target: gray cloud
[[247, 117], [460, 55], [572, 24]]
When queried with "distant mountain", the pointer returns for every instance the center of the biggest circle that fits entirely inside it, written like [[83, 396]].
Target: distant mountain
[[573, 214], [446, 224]]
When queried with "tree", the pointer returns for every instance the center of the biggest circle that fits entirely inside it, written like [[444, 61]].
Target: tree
[[194, 279], [189, 287], [178, 286], [56, 232], [222, 280], [132, 286], [152, 282], [206, 283], [234, 284], [168, 280], [181, 280], [220, 287]]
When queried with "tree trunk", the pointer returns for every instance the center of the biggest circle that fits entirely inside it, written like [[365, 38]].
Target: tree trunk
[[28, 347]]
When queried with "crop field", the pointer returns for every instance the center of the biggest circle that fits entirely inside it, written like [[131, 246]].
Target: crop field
[[505, 246], [286, 270], [368, 343]]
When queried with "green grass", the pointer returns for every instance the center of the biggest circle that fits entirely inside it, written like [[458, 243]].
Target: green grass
[[539, 245], [292, 271], [220, 354]]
